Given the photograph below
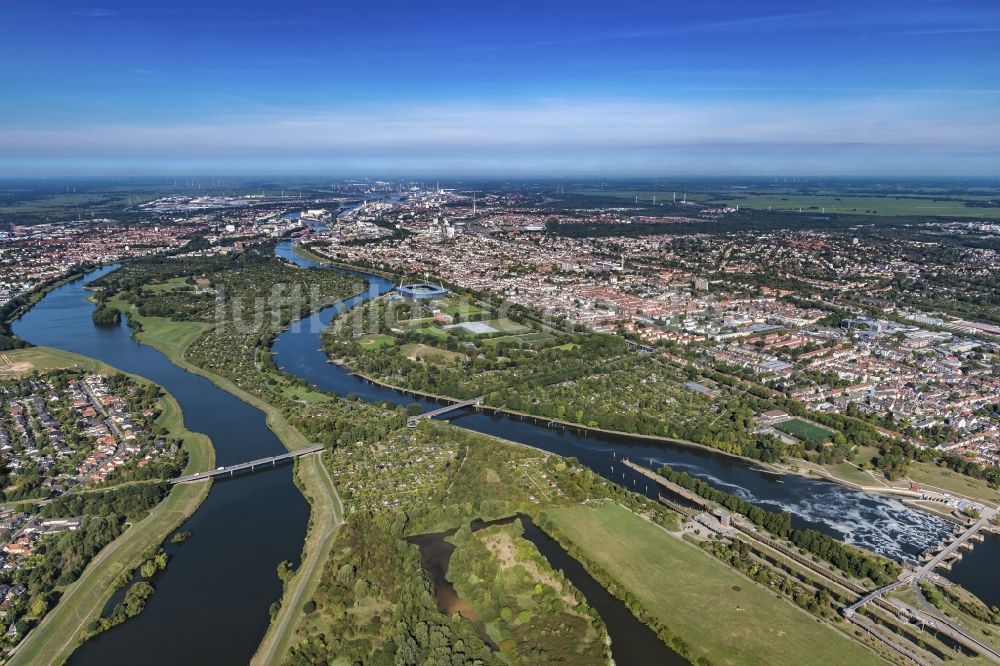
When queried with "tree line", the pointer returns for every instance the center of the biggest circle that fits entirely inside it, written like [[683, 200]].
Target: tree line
[[846, 558]]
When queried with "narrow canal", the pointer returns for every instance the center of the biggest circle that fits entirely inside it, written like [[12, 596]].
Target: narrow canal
[[632, 642]]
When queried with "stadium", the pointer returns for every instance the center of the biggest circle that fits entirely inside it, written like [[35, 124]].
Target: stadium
[[422, 291]]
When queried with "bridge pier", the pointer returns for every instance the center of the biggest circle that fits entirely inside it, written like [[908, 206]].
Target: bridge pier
[[251, 465]]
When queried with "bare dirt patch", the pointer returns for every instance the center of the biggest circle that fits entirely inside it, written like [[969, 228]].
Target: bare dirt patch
[[502, 547], [17, 368]]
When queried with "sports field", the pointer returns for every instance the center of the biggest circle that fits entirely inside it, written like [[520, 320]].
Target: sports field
[[805, 431], [375, 341], [530, 340], [464, 310], [507, 326], [431, 330], [723, 616]]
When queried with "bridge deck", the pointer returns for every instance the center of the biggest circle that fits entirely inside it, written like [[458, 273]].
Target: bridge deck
[[444, 410], [232, 469]]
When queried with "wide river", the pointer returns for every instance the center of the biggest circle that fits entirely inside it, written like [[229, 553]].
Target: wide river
[[880, 523], [211, 604]]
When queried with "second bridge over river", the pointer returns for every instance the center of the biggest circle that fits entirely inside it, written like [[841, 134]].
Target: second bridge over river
[[272, 461], [441, 411]]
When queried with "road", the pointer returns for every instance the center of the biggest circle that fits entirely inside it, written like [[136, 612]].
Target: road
[[303, 585], [953, 546], [232, 469], [444, 410]]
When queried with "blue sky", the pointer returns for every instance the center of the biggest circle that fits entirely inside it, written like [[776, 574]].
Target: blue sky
[[647, 88]]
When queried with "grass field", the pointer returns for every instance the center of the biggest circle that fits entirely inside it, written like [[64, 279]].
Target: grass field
[[819, 203], [860, 205], [850, 473], [20, 362], [67, 204], [723, 616], [306, 253], [507, 326], [416, 352], [930, 474], [375, 341], [805, 431], [169, 335], [431, 330], [168, 285], [415, 323], [464, 310], [525, 340]]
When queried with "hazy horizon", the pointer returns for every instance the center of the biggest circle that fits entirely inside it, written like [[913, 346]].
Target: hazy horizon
[[864, 88]]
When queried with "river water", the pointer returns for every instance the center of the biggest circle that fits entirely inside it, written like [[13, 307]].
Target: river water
[[632, 642], [211, 603], [879, 523]]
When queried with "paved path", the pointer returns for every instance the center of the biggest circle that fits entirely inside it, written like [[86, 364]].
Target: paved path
[[303, 585]]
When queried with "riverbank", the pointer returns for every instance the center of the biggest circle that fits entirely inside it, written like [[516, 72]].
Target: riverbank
[[325, 518], [13, 310], [172, 339], [805, 471], [61, 631], [302, 251], [930, 477], [746, 615]]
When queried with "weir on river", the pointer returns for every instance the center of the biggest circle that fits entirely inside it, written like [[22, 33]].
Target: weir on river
[[211, 603], [880, 523]]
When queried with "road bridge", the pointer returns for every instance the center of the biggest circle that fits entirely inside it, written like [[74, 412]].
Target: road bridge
[[252, 465], [923, 571], [934, 620], [441, 411], [927, 568]]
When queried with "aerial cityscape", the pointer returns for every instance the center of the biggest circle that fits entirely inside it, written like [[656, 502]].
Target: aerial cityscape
[[474, 335]]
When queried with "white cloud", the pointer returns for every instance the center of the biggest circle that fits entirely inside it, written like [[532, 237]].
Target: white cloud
[[550, 130]]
